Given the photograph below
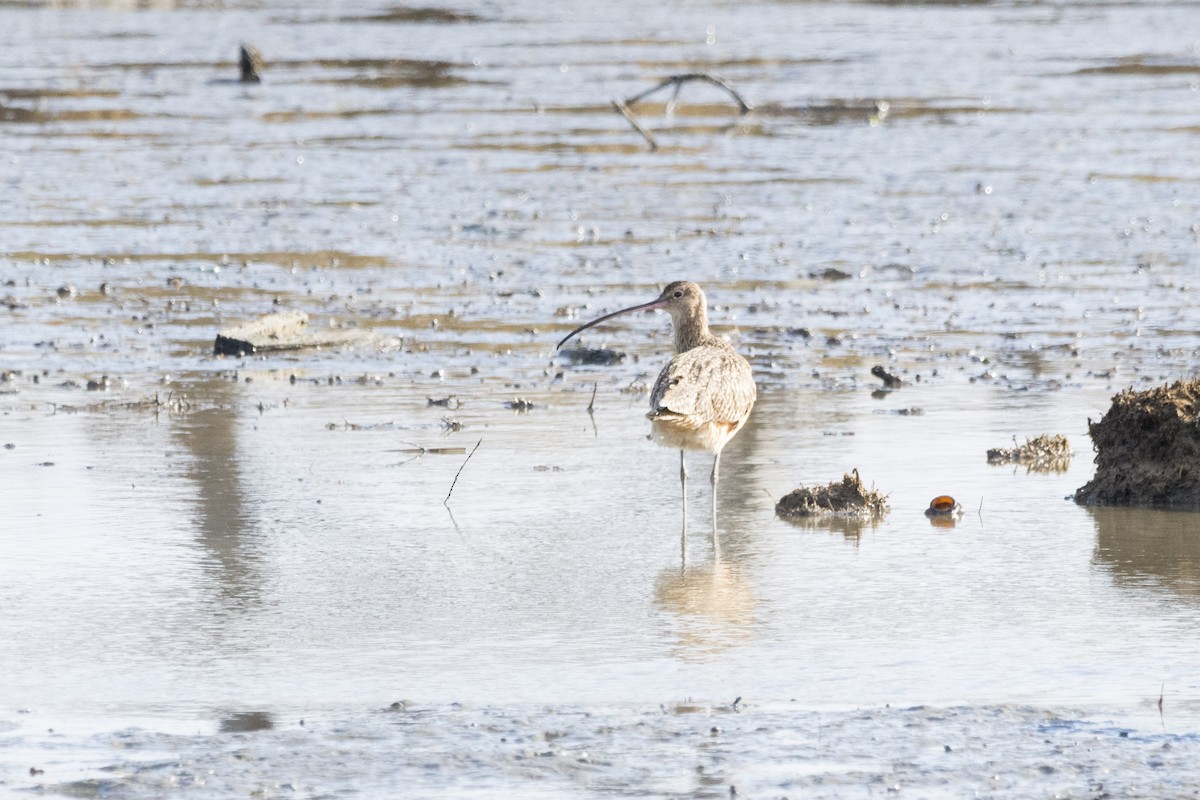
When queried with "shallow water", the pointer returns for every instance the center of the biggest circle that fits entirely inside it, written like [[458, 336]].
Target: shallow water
[[994, 201]]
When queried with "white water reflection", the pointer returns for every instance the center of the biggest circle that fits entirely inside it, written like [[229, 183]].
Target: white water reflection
[[288, 560]]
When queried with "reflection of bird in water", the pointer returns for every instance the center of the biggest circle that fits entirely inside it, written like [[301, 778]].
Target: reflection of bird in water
[[703, 396], [713, 602]]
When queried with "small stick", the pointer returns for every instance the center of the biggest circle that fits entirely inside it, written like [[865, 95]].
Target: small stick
[[591, 409], [454, 482], [637, 126], [1161, 718], [670, 107]]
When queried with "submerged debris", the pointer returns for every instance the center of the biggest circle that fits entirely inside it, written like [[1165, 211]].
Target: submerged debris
[[172, 404], [890, 381], [914, 411], [1147, 449], [593, 356], [847, 498], [1046, 453]]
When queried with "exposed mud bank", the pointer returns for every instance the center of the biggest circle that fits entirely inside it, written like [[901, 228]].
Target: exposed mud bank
[[1148, 449]]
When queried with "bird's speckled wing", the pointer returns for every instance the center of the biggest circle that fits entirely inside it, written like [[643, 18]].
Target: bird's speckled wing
[[710, 383]]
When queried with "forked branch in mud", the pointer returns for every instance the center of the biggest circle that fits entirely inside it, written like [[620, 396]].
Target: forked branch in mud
[[676, 81]]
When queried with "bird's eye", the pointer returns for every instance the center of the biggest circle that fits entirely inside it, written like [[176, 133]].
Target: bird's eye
[[679, 293]]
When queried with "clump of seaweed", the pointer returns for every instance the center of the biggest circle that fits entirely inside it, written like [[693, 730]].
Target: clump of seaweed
[[1045, 453], [844, 499], [1147, 449]]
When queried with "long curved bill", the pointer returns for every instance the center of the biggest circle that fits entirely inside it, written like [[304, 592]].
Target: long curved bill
[[658, 303]]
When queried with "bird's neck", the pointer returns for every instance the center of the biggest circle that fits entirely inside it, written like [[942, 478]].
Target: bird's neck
[[691, 331]]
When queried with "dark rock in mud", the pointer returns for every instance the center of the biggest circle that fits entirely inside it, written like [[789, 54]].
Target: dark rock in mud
[[1044, 453], [283, 331], [890, 380], [250, 64], [246, 722], [847, 498], [831, 274], [1147, 449]]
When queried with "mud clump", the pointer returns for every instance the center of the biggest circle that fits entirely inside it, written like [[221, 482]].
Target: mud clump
[[1043, 454], [593, 356], [1147, 449], [844, 499]]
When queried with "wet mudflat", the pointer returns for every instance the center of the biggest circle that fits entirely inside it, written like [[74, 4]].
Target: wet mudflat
[[994, 202]]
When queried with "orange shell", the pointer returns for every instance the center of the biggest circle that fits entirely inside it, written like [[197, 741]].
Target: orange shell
[[942, 504]]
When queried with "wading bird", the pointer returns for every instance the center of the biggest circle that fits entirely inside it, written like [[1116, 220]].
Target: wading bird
[[704, 394]]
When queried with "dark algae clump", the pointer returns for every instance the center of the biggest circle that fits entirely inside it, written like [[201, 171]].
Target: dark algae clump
[[847, 498]]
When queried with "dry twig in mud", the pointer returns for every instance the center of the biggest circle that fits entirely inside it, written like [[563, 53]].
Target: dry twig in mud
[[676, 81], [430, 451], [416, 451], [637, 126], [454, 482]]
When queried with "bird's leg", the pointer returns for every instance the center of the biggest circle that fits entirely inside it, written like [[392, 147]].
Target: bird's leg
[[683, 484], [715, 477]]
